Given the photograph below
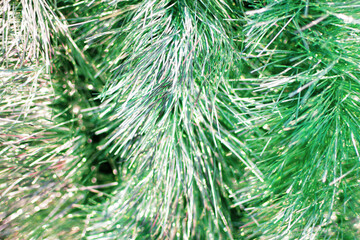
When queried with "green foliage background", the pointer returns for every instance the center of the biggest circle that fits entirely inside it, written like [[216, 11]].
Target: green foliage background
[[179, 119]]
